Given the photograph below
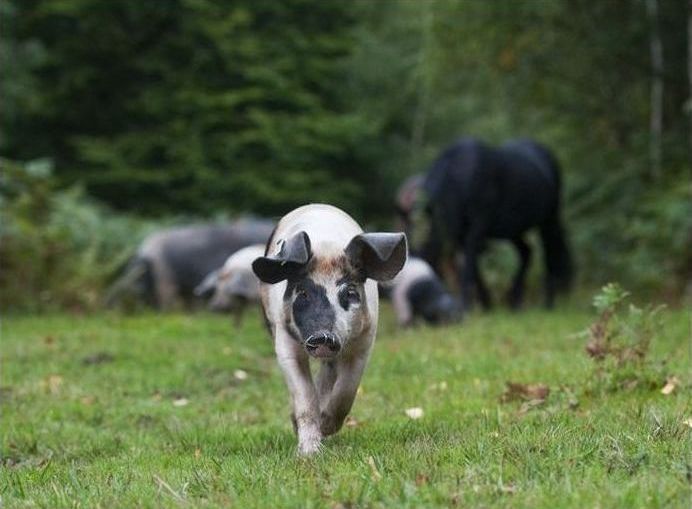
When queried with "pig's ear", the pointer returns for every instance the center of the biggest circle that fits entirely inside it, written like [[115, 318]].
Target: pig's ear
[[380, 256], [208, 284], [291, 258]]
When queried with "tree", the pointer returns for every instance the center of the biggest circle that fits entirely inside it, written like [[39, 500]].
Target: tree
[[181, 106]]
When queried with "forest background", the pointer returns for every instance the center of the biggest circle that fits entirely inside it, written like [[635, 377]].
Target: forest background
[[119, 118]]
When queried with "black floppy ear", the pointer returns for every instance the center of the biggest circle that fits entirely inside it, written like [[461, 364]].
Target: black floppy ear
[[291, 258], [380, 256]]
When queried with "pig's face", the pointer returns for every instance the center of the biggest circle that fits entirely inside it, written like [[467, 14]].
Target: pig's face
[[234, 289], [325, 302], [229, 290], [325, 306]]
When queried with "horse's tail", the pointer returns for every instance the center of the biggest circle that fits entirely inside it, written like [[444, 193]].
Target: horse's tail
[[556, 252]]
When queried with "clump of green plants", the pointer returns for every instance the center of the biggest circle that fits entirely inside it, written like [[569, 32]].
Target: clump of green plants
[[59, 249], [619, 342]]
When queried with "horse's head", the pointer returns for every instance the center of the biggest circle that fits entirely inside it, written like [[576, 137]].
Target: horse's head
[[427, 231]]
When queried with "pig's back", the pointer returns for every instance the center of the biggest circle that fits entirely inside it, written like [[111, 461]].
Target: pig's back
[[325, 225], [243, 258]]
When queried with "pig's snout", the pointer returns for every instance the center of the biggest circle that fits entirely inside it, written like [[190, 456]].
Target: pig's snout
[[448, 310], [322, 344]]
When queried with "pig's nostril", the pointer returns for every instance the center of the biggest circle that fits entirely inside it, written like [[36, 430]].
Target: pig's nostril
[[322, 339]]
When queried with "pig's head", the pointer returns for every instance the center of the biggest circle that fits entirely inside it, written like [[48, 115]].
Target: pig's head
[[229, 290], [444, 309], [325, 304]]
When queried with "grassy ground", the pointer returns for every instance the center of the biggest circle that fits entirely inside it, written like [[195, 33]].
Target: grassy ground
[[148, 411]]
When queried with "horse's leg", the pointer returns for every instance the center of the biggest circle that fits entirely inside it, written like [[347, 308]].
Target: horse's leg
[[481, 288], [515, 296], [471, 276]]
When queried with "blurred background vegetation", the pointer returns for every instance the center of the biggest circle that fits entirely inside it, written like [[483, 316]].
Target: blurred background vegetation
[[122, 116]]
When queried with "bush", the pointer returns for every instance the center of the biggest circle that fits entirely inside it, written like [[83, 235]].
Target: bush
[[619, 342], [58, 249]]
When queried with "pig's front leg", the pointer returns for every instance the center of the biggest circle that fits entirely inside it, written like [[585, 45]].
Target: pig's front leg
[[336, 404], [306, 417]]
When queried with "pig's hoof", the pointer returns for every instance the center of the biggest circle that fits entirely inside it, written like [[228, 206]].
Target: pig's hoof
[[329, 425], [309, 448]]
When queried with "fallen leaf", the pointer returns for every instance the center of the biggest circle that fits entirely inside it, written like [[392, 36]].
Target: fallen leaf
[[415, 412], [156, 396], [180, 402], [53, 383], [421, 479], [688, 422], [376, 476], [49, 340], [508, 488], [239, 374], [87, 400], [526, 392], [440, 386], [198, 452], [351, 422], [529, 405], [97, 358], [671, 383]]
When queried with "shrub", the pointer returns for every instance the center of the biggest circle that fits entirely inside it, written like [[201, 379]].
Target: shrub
[[58, 249], [619, 342]]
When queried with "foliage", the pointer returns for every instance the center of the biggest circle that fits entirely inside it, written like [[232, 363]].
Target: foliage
[[58, 248], [205, 107], [148, 411], [192, 106], [619, 342], [502, 70]]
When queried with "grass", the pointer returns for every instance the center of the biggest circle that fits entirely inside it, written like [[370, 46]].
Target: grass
[[149, 411]]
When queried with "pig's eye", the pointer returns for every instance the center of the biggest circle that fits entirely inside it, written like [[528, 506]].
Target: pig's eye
[[348, 296], [352, 294]]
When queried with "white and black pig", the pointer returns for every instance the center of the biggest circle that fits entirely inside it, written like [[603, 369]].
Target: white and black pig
[[169, 264], [417, 292], [234, 286], [319, 294]]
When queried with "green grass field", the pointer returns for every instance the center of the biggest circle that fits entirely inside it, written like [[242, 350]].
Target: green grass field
[[151, 411]]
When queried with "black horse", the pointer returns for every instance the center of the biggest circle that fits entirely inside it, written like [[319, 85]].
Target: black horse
[[474, 192]]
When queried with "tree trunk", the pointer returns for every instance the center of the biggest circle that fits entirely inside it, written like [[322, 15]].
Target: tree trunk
[[689, 68], [656, 111], [424, 78]]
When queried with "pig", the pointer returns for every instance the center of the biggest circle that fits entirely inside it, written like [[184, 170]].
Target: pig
[[169, 264], [232, 287], [319, 294], [418, 292]]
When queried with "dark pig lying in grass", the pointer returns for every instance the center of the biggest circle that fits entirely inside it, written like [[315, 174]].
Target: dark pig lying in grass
[[232, 287], [417, 292], [319, 294], [171, 263]]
